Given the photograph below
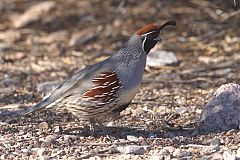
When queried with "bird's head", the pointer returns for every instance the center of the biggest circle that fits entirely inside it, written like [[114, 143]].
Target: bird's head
[[149, 35]]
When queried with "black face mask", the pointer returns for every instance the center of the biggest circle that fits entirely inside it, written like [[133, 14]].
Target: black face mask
[[150, 40]]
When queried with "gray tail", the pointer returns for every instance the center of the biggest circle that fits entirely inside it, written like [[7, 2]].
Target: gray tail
[[22, 112], [40, 105]]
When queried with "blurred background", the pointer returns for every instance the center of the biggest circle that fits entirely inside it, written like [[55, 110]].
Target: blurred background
[[43, 42]]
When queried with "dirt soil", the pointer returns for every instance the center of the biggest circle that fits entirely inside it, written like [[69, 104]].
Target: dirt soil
[[53, 42]]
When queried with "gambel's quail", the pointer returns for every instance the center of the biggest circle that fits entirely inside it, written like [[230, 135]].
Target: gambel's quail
[[100, 92]]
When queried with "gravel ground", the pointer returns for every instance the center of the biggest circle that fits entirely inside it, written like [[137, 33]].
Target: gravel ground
[[45, 42]]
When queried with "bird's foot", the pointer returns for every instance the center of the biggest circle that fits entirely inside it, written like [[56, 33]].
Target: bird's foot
[[103, 128], [93, 127]]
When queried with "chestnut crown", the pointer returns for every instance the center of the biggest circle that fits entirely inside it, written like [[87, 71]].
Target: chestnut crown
[[150, 34]]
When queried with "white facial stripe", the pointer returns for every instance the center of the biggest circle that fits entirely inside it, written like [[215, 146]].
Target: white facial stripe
[[144, 43], [143, 35]]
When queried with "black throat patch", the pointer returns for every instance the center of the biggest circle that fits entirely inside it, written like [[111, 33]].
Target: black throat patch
[[148, 43]]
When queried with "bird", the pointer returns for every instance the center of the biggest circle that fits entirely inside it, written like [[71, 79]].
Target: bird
[[98, 93]]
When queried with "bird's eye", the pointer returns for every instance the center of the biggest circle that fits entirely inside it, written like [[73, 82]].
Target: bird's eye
[[149, 40]]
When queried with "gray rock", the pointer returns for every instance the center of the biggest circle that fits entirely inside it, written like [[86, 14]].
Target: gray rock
[[132, 138], [222, 112], [9, 85], [133, 149], [215, 142], [8, 82], [160, 58]]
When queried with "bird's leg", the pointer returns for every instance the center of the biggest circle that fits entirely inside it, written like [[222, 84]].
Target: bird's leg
[[92, 125], [103, 128], [49, 119]]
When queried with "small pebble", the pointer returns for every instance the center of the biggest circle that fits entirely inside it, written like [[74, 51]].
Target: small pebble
[[24, 150], [215, 142], [48, 139], [21, 132], [217, 156], [211, 149], [152, 135], [238, 152], [228, 155], [132, 138], [40, 151], [57, 129], [177, 152], [133, 149], [43, 125], [156, 157], [169, 149], [67, 137], [3, 156], [95, 158]]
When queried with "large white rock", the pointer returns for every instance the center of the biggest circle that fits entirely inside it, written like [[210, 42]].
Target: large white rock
[[158, 58], [222, 112]]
